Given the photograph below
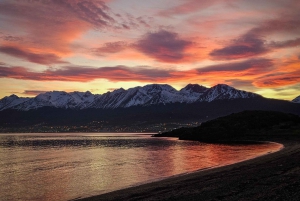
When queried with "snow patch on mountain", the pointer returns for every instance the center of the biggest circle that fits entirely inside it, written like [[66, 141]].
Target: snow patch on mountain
[[151, 94], [296, 100]]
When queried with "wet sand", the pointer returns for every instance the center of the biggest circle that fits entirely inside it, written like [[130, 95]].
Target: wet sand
[[274, 176]]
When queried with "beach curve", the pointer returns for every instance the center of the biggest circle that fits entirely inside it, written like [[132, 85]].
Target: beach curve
[[273, 176]]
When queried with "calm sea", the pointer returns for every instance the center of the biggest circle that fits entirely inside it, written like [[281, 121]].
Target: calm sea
[[67, 166]]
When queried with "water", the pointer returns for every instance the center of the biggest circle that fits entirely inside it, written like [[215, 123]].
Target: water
[[68, 166]]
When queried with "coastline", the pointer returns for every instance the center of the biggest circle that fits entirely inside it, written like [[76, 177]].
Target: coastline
[[273, 176]]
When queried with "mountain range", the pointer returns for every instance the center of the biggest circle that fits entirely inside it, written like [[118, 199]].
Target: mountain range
[[152, 94], [151, 108]]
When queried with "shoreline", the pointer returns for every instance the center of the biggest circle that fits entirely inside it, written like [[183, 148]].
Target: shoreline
[[239, 181]]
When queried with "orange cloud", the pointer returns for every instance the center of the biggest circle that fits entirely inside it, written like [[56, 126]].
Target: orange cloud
[[260, 72], [251, 67], [278, 80], [52, 26], [49, 29], [40, 58], [85, 74], [287, 73]]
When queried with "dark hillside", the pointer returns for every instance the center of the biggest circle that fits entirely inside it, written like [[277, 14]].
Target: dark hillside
[[138, 116], [244, 125]]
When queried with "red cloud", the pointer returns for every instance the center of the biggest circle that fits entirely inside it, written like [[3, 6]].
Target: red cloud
[[191, 6], [287, 73], [257, 65], [85, 74], [282, 79]]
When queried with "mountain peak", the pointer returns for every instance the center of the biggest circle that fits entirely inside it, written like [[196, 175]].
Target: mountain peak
[[13, 96], [158, 86], [88, 93], [225, 92], [11, 101], [119, 90], [194, 88], [222, 86]]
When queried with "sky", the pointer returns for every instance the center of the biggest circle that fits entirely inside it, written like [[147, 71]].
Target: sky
[[99, 46]]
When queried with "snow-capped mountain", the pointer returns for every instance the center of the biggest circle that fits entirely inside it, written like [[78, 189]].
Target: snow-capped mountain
[[147, 95], [11, 101], [152, 94], [223, 91], [58, 99], [296, 100]]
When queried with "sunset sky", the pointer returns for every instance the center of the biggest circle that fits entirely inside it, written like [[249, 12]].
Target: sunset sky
[[98, 46]]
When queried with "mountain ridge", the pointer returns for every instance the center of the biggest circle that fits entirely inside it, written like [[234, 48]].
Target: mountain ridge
[[151, 94], [296, 100]]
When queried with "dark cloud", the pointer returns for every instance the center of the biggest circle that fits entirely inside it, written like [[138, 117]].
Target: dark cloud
[[240, 83], [33, 92], [246, 46], [11, 38], [97, 13], [286, 44], [143, 21], [130, 21], [283, 24], [93, 11], [164, 46], [112, 47], [32, 57], [257, 64], [252, 43], [189, 6]]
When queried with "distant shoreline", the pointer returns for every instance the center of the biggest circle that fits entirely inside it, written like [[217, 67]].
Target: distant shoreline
[[268, 177]]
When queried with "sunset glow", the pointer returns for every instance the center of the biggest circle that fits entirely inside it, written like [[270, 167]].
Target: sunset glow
[[98, 46]]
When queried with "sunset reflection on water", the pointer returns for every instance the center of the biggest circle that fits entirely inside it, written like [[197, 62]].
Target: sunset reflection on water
[[67, 166]]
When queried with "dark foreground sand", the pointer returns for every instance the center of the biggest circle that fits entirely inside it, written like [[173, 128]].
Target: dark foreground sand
[[271, 177]]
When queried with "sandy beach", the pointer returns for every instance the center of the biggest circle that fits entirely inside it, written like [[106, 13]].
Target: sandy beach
[[274, 176]]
